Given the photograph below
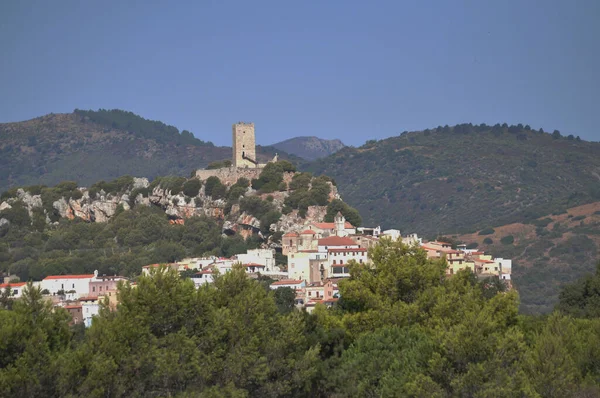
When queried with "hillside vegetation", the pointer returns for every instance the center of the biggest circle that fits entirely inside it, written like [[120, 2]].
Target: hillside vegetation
[[465, 178], [547, 253], [88, 146]]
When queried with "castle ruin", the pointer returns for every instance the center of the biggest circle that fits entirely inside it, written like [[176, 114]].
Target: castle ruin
[[244, 162]]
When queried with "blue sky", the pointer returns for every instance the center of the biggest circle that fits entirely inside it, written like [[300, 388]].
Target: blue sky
[[353, 70]]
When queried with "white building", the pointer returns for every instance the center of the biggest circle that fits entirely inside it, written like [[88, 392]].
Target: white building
[[308, 265], [339, 259], [505, 267], [265, 257], [74, 286], [291, 283], [393, 234], [16, 288], [203, 277], [90, 307]]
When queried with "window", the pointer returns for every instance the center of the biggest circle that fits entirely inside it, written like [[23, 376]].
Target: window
[[290, 242], [94, 289], [15, 292], [360, 261], [62, 286], [73, 286], [100, 288], [333, 262]]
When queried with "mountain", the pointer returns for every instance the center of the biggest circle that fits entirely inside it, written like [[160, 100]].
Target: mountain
[[309, 148], [87, 146], [465, 178]]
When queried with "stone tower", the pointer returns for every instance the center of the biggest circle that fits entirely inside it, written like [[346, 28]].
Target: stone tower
[[244, 149]]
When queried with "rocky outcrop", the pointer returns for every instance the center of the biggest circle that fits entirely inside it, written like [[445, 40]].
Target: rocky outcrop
[[102, 206]]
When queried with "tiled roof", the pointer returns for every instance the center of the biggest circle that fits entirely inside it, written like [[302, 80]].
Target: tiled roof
[[308, 232], [253, 265], [287, 282], [15, 284], [290, 235], [158, 265], [336, 241], [331, 225], [69, 277], [71, 307], [347, 250]]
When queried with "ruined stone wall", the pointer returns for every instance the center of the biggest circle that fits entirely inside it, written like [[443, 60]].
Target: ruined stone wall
[[229, 175], [243, 141]]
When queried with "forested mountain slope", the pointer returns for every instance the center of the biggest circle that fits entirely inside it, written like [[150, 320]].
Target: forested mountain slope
[[464, 178], [88, 146]]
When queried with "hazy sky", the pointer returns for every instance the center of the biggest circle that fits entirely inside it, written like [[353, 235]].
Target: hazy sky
[[354, 70]]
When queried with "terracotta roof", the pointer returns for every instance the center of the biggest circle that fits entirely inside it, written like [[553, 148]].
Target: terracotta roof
[[158, 265], [71, 307], [331, 225], [287, 282], [253, 265], [69, 277], [430, 248], [15, 284], [290, 234], [478, 260], [207, 271], [336, 241], [308, 232], [347, 250]]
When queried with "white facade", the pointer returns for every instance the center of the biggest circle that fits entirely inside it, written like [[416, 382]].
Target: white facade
[[505, 267], [339, 258], [293, 284], [265, 257], [306, 265], [16, 289], [393, 234], [89, 309], [74, 286], [203, 278]]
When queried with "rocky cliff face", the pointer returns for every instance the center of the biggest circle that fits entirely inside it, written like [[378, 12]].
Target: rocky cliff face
[[103, 206]]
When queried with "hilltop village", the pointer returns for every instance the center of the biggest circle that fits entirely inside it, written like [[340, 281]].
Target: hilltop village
[[318, 254]]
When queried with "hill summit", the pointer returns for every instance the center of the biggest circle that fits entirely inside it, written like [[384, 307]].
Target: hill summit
[[309, 148]]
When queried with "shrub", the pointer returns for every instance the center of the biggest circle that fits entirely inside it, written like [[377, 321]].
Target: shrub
[[507, 240], [578, 218], [487, 231], [255, 206], [488, 241], [192, 187], [212, 187]]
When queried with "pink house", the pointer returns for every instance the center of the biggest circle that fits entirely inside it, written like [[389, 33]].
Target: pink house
[[101, 284]]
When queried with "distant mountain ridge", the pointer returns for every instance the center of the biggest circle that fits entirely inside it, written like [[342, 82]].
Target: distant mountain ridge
[[309, 148]]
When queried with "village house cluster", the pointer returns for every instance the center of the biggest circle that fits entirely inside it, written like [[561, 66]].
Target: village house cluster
[[318, 257]]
